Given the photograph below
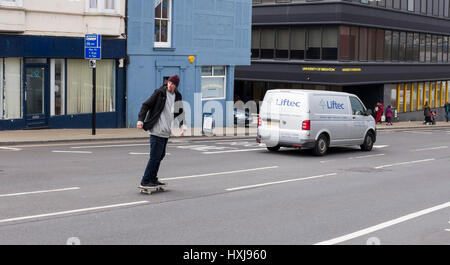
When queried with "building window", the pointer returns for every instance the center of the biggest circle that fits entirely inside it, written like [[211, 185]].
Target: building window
[[428, 48], [381, 3], [79, 86], [416, 46], [409, 47], [314, 43], [103, 6], [402, 47], [354, 40], [435, 7], [344, 43], [16, 3], [395, 45], [410, 5], [387, 45], [163, 23], [397, 4], [429, 7], [267, 43], [445, 49], [422, 52], [256, 42], [439, 49], [10, 88], [297, 44], [434, 48], [330, 43], [363, 44], [282, 45], [380, 45], [423, 6], [57, 87], [213, 82], [446, 7]]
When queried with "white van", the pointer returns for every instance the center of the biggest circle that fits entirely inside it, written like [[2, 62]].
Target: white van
[[314, 119]]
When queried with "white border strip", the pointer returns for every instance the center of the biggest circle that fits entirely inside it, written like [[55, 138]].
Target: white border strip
[[384, 225], [70, 212], [280, 182]]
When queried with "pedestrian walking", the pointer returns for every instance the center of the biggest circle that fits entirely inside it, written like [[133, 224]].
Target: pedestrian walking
[[427, 114], [156, 116], [380, 111], [447, 111], [389, 115]]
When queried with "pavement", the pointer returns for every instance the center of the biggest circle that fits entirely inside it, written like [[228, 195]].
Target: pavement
[[21, 137]]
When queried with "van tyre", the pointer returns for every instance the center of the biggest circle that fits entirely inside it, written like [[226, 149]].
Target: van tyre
[[321, 146], [368, 142], [273, 148]]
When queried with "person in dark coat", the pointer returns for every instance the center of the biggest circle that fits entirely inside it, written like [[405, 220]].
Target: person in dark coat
[[156, 116], [447, 111], [427, 114]]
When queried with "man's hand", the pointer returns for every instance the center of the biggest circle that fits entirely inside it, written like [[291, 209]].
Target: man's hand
[[140, 125], [181, 132]]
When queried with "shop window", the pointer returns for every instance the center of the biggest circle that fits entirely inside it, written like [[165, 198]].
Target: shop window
[[213, 82], [420, 89], [163, 23], [330, 43], [57, 87], [435, 7], [396, 4], [10, 88], [314, 43], [446, 7], [389, 3], [429, 7], [410, 5], [267, 43], [297, 44], [423, 6], [79, 86]]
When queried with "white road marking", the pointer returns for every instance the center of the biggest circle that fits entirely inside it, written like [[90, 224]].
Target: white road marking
[[419, 132], [233, 151], [72, 152], [367, 156], [221, 173], [132, 153], [326, 161], [280, 182], [70, 212], [405, 163], [10, 149], [380, 146], [431, 148], [384, 225], [37, 192], [107, 146]]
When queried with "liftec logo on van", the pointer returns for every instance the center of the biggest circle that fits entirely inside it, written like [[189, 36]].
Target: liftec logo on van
[[331, 105], [288, 103]]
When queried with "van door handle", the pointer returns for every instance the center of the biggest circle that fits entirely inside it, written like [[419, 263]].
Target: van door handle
[[354, 117]]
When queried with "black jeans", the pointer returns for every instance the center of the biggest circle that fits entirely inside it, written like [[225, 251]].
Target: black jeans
[[157, 153]]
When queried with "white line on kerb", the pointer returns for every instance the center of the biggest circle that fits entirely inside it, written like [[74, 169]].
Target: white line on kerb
[[11, 148], [72, 152], [70, 212], [405, 163], [233, 151], [431, 148], [280, 182], [384, 225], [221, 173], [38, 192]]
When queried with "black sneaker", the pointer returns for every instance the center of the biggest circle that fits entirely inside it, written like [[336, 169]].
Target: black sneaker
[[150, 185], [160, 183]]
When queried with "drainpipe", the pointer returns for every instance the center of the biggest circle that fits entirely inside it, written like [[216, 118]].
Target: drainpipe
[[125, 65]]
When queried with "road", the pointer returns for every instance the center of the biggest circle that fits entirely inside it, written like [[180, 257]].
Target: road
[[229, 192]]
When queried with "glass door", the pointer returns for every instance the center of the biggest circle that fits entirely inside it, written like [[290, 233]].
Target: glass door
[[36, 91]]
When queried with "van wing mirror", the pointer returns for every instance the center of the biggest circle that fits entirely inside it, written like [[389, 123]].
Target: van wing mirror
[[368, 112]]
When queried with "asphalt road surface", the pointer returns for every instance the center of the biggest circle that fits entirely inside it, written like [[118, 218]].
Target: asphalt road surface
[[229, 192]]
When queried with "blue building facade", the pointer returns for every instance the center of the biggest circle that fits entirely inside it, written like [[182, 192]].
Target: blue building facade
[[46, 83], [200, 40]]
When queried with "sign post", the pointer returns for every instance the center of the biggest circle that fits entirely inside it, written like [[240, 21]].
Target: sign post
[[93, 52]]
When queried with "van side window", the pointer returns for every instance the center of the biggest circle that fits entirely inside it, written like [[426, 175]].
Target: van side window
[[357, 107]]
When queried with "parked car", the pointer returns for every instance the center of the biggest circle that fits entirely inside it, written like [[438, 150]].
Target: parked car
[[242, 117]]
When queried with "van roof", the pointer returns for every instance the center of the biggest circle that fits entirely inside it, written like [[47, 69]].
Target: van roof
[[308, 91]]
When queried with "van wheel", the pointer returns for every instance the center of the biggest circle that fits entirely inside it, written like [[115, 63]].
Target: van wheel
[[321, 146], [273, 148], [368, 142]]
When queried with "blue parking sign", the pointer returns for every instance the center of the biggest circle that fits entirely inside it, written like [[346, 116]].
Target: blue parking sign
[[93, 46]]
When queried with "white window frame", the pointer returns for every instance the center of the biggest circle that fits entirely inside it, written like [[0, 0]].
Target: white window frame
[[215, 76], [52, 87], [16, 3], [101, 7], [167, 44]]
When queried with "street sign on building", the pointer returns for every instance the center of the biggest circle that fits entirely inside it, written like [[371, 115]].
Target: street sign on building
[[93, 46]]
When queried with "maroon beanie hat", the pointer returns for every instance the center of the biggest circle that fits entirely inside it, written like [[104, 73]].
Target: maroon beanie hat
[[174, 79]]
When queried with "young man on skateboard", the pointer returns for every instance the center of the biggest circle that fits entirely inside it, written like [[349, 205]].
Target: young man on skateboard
[[161, 113]]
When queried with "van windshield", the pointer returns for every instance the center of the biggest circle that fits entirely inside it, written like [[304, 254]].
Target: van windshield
[[283, 103]]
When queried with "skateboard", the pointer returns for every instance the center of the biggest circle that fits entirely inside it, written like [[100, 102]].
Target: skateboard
[[150, 190]]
